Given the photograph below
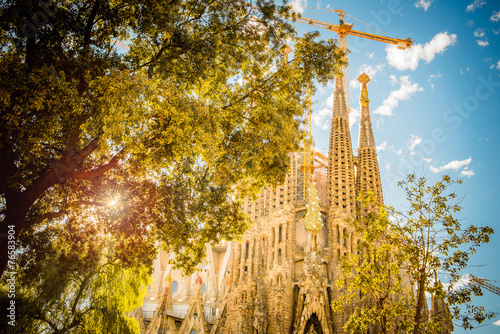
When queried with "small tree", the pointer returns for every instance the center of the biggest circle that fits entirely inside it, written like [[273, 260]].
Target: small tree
[[432, 240], [415, 247], [372, 281]]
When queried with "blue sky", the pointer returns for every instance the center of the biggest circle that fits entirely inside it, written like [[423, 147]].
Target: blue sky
[[435, 107]]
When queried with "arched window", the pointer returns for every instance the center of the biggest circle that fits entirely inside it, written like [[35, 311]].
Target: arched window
[[247, 245], [338, 234], [345, 237], [175, 287], [280, 233], [193, 331]]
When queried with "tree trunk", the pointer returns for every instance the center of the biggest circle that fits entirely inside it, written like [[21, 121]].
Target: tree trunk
[[9, 231], [420, 303]]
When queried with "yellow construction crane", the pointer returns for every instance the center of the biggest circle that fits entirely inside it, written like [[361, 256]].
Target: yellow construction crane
[[342, 29], [484, 283]]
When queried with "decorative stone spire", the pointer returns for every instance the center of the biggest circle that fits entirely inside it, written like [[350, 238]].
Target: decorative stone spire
[[341, 191], [368, 176]]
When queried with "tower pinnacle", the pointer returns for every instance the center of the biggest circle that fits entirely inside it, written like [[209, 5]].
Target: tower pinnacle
[[366, 138], [368, 176]]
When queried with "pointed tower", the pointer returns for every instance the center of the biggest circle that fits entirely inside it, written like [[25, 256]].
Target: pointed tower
[[341, 178], [368, 174], [341, 192]]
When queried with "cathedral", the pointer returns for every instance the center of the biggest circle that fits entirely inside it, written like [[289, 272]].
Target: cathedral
[[281, 277]]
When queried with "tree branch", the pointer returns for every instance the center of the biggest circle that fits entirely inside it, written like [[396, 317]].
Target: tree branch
[[50, 215], [99, 170]]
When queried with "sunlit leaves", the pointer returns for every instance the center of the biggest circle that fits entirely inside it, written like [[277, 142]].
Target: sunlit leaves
[[435, 242]]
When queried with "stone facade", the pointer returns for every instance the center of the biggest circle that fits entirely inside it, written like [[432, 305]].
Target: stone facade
[[281, 277]]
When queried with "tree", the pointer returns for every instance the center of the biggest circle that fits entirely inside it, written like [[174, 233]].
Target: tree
[[372, 283], [203, 106], [415, 246], [434, 242], [85, 272]]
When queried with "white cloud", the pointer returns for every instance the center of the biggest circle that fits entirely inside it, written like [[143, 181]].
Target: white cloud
[[413, 142], [354, 116], [298, 5], [498, 65], [495, 32], [370, 55], [393, 78], [495, 17], [404, 92], [382, 146], [387, 166], [432, 77], [322, 117], [467, 172], [479, 33], [370, 70], [409, 59], [470, 23], [455, 165], [476, 4], [462, 281], [423, 4], [462, 71], [354, 83], [497, 323], [427, 160], [482, 43]]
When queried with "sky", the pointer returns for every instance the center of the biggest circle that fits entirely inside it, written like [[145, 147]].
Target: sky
[[435, 107]]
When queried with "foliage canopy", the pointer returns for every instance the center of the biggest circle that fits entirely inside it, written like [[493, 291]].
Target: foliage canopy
[[203, 107]]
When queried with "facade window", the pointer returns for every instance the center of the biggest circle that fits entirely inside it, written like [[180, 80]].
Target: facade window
[[247, 245], [280, 233], [175, 287]]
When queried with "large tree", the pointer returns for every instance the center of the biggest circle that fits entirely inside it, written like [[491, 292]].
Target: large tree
[[203, 105]]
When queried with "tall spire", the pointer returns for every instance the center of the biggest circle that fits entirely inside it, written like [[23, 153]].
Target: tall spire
[[366, 138], [341, 191], [368, 176], [339, 99]]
